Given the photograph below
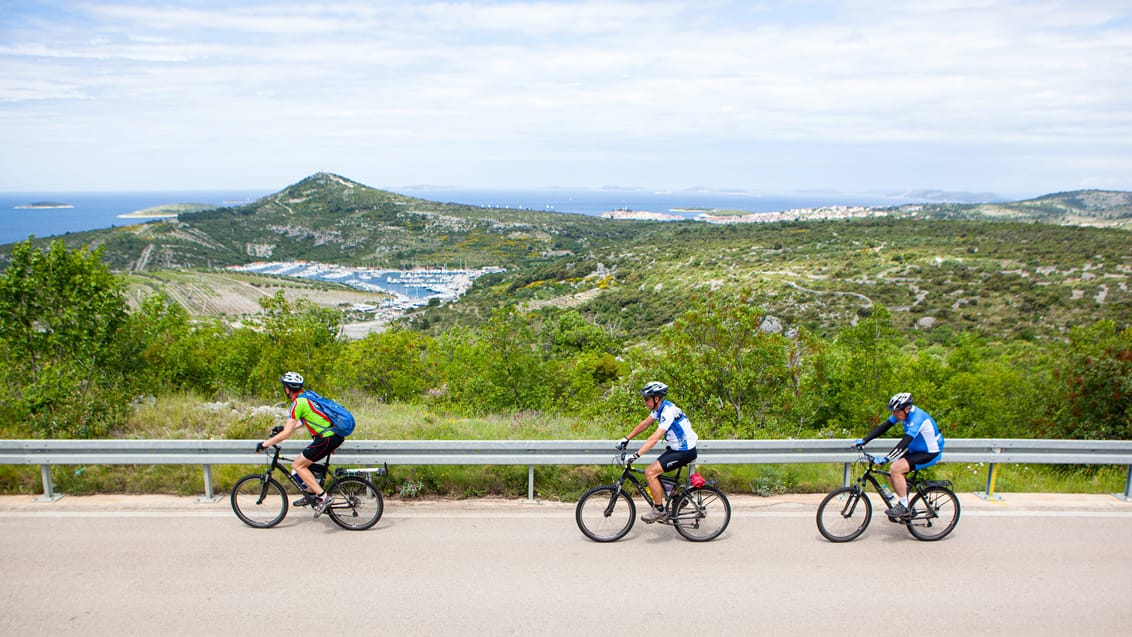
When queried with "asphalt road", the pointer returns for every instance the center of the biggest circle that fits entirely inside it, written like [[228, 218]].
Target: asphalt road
[[170, 566]]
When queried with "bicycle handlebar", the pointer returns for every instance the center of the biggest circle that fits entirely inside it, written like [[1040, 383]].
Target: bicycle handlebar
[[621, 456], [866, 457]]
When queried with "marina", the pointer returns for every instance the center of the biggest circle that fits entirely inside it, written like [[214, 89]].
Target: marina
[[408, 288]]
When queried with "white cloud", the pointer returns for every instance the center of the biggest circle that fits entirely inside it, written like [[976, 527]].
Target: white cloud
[[541, 84]]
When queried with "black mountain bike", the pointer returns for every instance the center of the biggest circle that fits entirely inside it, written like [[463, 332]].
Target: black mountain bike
[[845, 513], [261, 501], [607, 513]]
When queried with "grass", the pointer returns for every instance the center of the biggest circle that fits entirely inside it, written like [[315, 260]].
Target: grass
[[185, 416]]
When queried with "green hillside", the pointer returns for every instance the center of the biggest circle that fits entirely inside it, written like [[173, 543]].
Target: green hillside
[[331, 219], [998, 279], [1094, 208], [1039, 268]]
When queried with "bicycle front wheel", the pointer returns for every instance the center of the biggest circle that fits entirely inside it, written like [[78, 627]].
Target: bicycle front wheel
[[357, 504], [259, 502], [844, 514], [702, 514], [935, 512], [605, 513]]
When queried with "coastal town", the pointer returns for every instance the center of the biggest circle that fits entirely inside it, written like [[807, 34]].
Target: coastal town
[[717, 217]]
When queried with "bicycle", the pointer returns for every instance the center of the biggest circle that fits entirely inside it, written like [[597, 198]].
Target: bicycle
[[261, 501], [845, 513], [698, 510]]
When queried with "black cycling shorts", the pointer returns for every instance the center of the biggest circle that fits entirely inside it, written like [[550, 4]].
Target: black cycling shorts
[[919, 458], [322, 446], [672, 459]]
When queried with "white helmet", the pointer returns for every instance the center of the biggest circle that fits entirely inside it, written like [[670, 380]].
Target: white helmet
[[654, 389], [900, 401], [292, 380]]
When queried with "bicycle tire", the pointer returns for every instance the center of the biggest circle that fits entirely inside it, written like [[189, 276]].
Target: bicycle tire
[[935, 512], [357, 504], [605, 513], [702, 514], [259, 503], [844, 514]]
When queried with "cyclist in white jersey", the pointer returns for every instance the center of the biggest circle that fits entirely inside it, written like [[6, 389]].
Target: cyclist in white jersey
[[674, 427]]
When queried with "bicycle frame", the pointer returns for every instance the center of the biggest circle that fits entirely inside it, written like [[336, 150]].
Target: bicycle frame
[[915, 484], [630, 473], [276, 464]]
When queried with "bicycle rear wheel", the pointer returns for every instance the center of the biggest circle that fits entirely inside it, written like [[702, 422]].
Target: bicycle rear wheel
[[605, 513], [844, 514], [258, 502], [934, 515], [702, 514], [357, 504]]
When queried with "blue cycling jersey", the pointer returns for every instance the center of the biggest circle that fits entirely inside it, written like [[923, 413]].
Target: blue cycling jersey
[[925, 435]]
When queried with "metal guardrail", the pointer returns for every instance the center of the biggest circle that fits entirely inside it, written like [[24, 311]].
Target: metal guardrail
[[532, 453]]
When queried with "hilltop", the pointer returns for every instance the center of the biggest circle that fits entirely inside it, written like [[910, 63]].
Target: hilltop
[[332, 219]]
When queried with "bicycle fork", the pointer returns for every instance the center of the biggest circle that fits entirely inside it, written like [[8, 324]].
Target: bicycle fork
[[264, 482], [852, 501], [613, 500]]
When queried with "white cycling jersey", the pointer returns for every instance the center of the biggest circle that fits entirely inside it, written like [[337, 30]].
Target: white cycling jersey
[[677, 428]]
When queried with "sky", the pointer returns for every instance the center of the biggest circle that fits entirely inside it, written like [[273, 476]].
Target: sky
[[1012, 97]]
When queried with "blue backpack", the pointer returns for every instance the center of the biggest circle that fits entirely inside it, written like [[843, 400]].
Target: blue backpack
[[341, 420]]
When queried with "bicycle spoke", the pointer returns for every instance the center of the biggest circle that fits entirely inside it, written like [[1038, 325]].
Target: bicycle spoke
[[702, 514], [935, 514], [605, 513], [844, 514], [357, 504], [259, 502]]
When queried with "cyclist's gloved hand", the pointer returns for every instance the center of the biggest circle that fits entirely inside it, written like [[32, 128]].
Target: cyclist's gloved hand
[[631, 458], [858, 443], [259, 446], [624, 443], [880, 459]]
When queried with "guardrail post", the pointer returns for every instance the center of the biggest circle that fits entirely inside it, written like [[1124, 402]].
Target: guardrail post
[[1127, 497], [846, 475], [530, 483], [992, 474], [208, 486], [49, 494]]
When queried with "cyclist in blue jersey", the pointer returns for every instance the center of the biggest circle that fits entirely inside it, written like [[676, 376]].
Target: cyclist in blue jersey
[[920, 446], [323, 439], [674, 427]]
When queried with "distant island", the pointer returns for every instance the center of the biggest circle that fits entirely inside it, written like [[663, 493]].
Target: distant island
[[38, 205], [166, 210]]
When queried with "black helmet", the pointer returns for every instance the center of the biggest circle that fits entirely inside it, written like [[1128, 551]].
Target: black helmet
[[654, 389], [292, 380]]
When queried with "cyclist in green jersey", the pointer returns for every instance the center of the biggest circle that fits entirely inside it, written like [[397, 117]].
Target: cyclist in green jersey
[[324, 440]]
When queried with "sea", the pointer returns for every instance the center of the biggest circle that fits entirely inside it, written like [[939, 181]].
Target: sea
[[94, 210], [97, 210]]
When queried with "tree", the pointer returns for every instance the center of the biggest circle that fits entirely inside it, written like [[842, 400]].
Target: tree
[[1096, 384], [393, 364], [497, 367], [61, 314], [989, 390], [724, 366], [299, 336], [855, 374]]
